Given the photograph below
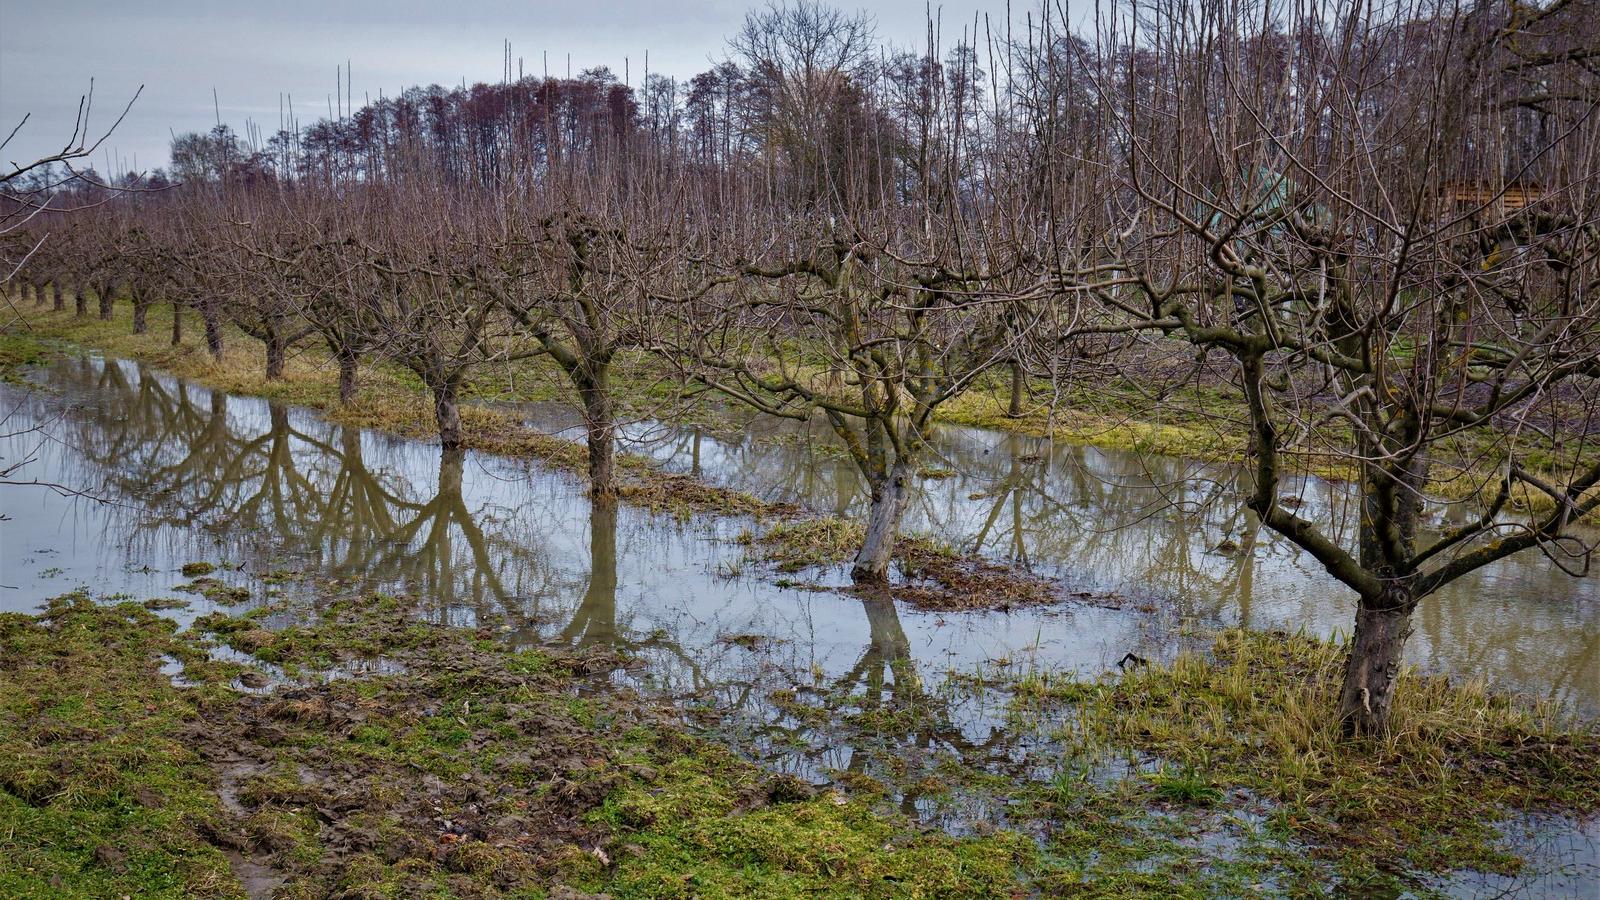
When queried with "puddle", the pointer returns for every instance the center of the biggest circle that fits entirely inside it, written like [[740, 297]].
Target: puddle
[[1563, 860]]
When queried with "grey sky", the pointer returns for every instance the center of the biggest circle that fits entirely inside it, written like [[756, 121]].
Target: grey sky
[[254, 53]]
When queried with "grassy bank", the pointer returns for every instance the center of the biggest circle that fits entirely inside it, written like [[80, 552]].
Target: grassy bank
[[462, 766], [1251, 720]]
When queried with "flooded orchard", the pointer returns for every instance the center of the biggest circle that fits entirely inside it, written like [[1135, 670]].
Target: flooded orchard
[[1152, 553], [199, 474]]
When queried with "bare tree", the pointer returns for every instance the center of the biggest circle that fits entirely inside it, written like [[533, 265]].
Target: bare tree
[[1350, 204]]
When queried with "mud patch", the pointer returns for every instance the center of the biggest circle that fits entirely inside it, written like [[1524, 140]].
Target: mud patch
[[933, 576], [468, 768]]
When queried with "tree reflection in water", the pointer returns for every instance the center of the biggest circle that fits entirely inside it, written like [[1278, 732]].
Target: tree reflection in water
[[478, 537], [274, 484], [1170, 535]]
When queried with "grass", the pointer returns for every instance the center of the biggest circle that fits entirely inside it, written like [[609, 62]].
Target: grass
[[468, 767], [100, 793], [936, 576], [19, 350], [473, 770], [795, 546], [696, 844], [1255, 715], [1223, 773]]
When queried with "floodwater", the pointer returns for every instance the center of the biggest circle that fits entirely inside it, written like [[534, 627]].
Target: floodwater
[[184, 474], [195, 475], [1165, 533]]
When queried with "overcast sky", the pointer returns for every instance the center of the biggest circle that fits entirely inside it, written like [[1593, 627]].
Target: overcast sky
[[255, 54]]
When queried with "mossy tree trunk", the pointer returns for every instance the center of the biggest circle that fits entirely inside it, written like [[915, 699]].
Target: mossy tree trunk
[[141, 309], [212, 321], [1392, 485], [599, 426], [1366, 700], [275, 355], [447, 412]]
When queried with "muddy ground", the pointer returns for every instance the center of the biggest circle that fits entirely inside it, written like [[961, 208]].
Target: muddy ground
[[402, 759], [369, 753]]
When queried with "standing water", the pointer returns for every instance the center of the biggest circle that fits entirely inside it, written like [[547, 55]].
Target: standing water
[[294, 504]]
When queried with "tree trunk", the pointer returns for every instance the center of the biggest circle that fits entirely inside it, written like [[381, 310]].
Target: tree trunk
[[1019, 389], [1367, 699], [141, 307], [213, 325], [600, 431], [177, 323], [275, 354], [105, 294], [80, 301], [60, 297], [348, 360], [448, 414], [889, 499]]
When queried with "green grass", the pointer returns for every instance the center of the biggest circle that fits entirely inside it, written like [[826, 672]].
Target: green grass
[[109, 775], [695, 843], [100, 795]]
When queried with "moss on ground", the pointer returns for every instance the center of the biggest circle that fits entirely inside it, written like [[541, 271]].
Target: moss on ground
[[466, 768], [101, 792], [19, 350]]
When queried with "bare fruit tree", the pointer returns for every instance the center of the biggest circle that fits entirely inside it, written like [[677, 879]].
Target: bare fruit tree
[[1359, 207]]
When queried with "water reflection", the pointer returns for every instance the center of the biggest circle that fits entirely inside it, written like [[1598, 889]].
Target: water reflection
[[197, 475], [1170, 534], [594, 623], [279, 489], [812, 683]]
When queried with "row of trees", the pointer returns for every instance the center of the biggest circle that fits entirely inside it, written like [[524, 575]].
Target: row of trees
[[1380, 224]]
